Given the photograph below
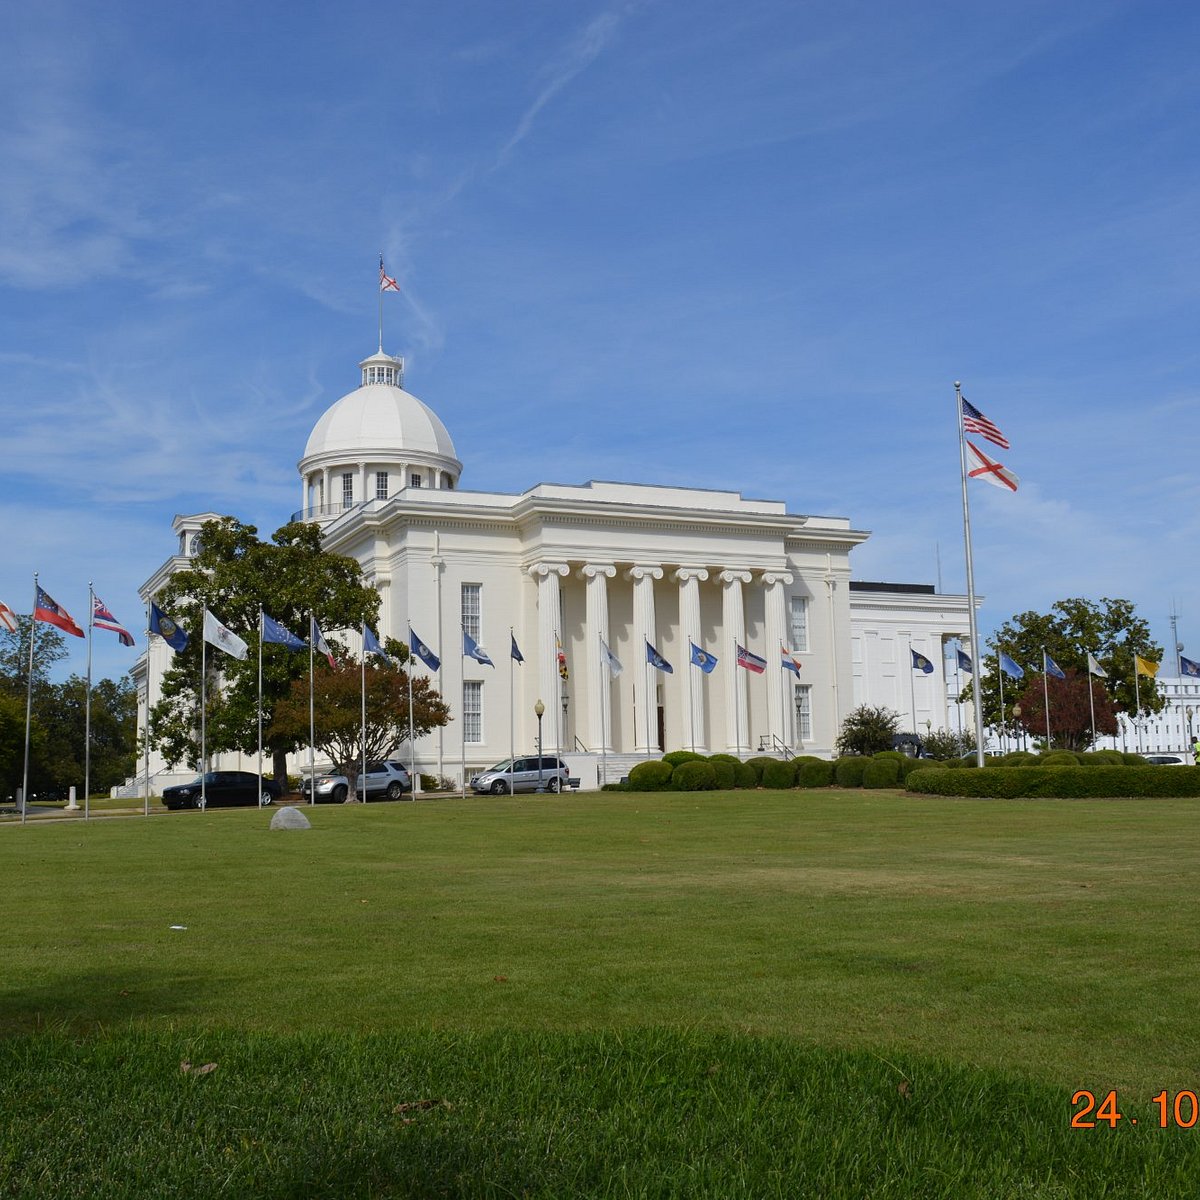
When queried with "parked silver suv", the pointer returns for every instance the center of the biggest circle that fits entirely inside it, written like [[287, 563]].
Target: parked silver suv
[[383, 779], [522, 775]]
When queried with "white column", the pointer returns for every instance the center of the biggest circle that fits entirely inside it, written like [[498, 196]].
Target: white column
[[547, 575], [645, 692], [599, 681], [363, 495], [733, 621], [325, 500], [306, 486], [778, 680], [692, 678]]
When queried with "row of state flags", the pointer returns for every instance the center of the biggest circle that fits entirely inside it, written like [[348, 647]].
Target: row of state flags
[[1142, 666]]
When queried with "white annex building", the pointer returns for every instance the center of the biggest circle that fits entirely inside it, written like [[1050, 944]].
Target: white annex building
[[585, 568]]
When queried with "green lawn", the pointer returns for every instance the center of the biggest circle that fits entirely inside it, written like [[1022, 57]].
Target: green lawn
[[863, 990]]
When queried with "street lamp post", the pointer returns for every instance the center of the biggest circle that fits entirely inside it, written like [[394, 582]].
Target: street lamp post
[[540, 711]]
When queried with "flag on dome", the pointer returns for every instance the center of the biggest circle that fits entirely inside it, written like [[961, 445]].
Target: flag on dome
[[272, 631], [790, 661], [165, 627], [423, 652], [656, 660], [225, 639], [1009, 667], [702, 659], [386, 282], [974, 421], [8, 618], [103, 619], [1187, 667], [471, 650], [920, 662], [46, 610], [319, 643], [990, 471], [750, 661], [610, 659], [1050, 667], [1144, 666]]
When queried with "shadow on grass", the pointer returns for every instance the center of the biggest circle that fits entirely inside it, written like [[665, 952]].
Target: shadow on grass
[[94, 1000]]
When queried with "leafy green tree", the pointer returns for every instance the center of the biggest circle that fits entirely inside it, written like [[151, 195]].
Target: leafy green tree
[[337, 710], [234, 574], [867, 730], [1111, 631], [1070, 710], [114, 734], [945, 744], [50, 648]]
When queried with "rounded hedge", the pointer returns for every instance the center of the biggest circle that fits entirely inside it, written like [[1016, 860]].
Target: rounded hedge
[[695, 776], [653, 776], [1133, 760], [881, 773], [1059, 758], [676, 757], [814, 773], [778, 774], [759, 763], [1059, 782], [848, 772], [745, 776], [729, 758], [724, 772]]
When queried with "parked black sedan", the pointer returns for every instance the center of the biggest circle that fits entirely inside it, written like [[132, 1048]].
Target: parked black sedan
[[221, 788]]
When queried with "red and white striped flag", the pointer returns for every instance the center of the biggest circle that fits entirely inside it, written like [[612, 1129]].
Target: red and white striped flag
[[975, 422], [8, 618]]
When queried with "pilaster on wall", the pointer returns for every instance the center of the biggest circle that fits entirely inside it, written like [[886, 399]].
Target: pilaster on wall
[[599, 680], [689, 580], [774, 583]]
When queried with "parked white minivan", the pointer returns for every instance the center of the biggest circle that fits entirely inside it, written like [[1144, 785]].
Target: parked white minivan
[[522, 775]]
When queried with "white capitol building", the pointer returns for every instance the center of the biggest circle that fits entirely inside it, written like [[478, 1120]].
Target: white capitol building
[[621, 564]]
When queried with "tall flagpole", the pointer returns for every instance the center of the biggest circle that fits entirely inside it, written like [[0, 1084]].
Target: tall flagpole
[[512, 712], [1003, 718], [379, 289], [29, 701], [204, 713], [146, 731], [912, 687], [261, 624], [974, 625], [87, 707], [1092, 700], [363, 668], [312, 722], [603, 714], [413, 773], [1137, 704], [1046, 695]]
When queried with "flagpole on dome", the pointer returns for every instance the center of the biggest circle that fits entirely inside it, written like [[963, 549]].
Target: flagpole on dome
[[379, 289], [971, 617]]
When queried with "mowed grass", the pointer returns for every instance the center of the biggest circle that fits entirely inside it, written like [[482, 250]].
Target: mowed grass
[[804, 993]]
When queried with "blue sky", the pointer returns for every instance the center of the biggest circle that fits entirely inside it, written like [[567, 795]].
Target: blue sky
[[746, 246]]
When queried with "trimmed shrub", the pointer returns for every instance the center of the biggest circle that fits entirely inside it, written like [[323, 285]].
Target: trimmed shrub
[[1059, 758], [745, 776], [729, 758], [848, 772], [1133, 760], [777, 774], [614, 787], [1058, 782], [967, 760], [814, 773], [759, 763], [881, 772], [897, 754], [724, 772], [676, 757], [1016, 758], [1096, 758], [653, 776], [694, 777]]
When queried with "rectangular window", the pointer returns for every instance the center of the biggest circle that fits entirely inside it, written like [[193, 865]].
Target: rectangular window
[[799, 624], [414, 480], [347, 490], [472, 711], [381, 485], [803, 713], [471, 604]]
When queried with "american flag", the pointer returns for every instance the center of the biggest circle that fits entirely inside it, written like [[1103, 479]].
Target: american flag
[[386, 282], [975, 422]]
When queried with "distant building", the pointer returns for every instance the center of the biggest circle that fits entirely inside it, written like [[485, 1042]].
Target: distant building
[[574, 572]]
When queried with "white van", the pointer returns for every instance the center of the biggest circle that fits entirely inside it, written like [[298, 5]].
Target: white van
[[522, 775]]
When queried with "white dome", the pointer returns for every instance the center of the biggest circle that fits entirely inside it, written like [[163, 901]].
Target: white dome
[[379, 417]]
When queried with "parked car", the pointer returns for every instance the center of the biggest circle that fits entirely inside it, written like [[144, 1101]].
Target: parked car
[[1165, 760], [388, 779], [522, 775], [222, 788]]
